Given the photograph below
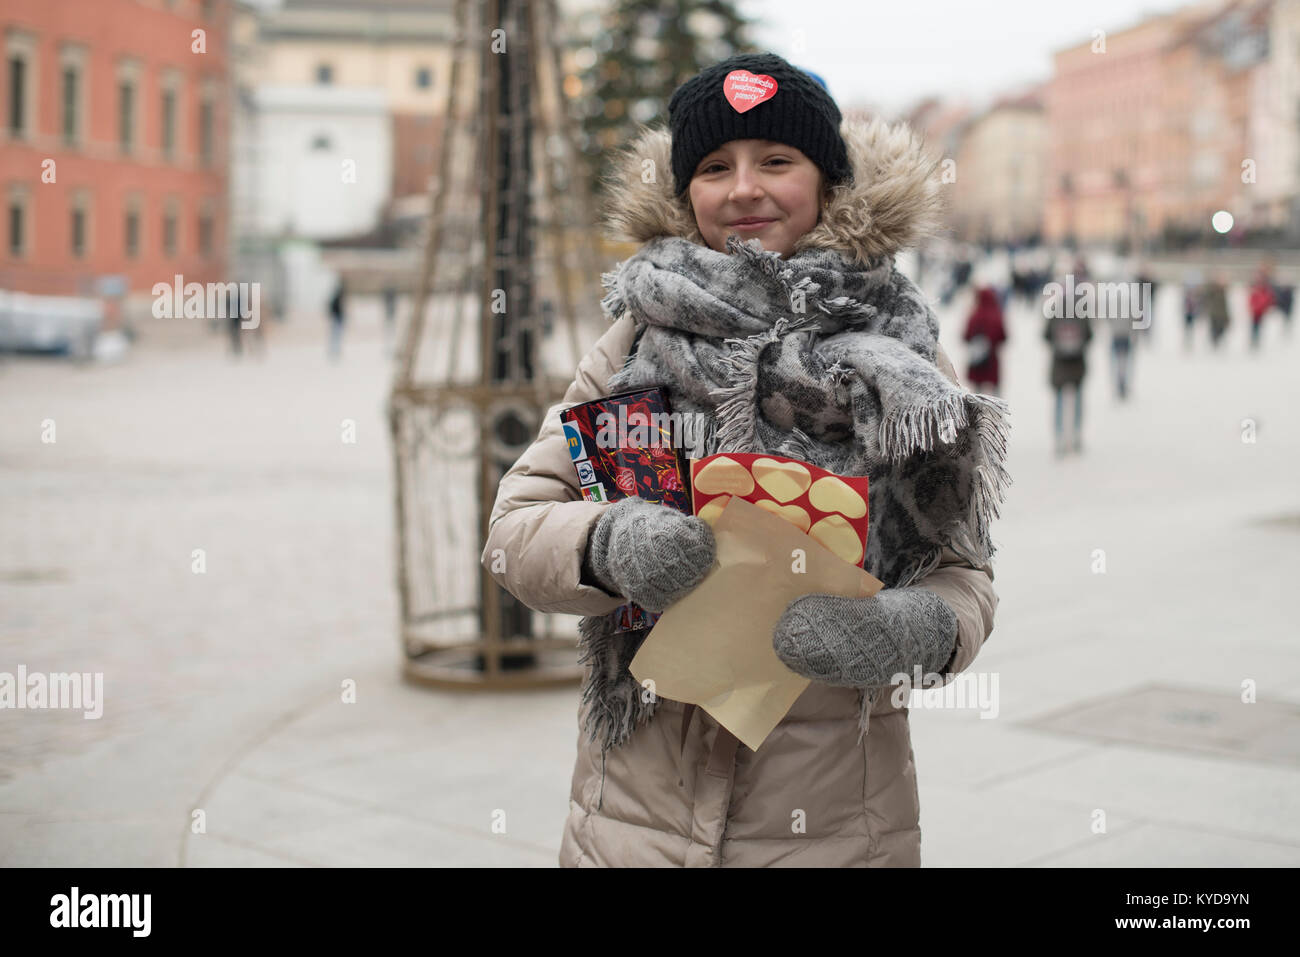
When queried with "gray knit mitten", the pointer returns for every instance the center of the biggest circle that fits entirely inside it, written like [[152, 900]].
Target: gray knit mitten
[[865, 642], [649, 553]]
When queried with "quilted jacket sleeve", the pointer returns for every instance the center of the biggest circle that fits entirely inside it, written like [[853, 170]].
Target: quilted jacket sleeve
[[538, 529], [967, 590]]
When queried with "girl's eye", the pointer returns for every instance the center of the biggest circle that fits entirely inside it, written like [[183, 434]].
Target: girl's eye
[[774, 159]]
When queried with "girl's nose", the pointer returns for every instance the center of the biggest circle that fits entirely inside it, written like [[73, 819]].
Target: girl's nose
[[746, 185]]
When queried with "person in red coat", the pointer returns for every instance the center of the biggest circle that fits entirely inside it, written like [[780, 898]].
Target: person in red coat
[[985, 334], [1261, 301]]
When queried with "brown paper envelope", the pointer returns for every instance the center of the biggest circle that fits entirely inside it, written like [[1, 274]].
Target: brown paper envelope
[[714, 647]]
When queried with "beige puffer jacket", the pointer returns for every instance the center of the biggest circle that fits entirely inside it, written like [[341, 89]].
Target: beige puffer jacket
[[811, 795]]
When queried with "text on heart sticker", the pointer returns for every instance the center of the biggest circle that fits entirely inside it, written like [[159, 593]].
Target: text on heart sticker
[[744, 90]]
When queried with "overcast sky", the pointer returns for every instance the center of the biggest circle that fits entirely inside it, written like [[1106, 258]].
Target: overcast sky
[[890, 53]]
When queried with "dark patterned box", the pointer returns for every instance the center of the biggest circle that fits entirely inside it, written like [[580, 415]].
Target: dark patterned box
[[624, 445]]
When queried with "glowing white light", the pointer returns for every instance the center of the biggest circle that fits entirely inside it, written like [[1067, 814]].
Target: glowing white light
[[1221, 221]]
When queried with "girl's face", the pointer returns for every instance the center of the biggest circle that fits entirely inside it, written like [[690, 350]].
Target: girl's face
[[773, 185]]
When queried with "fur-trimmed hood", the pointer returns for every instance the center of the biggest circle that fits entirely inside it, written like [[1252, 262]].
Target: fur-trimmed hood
[[892, 202]]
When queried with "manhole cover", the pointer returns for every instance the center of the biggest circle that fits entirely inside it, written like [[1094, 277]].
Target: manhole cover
[[1187, 720], [1290, 522], [23, 576]]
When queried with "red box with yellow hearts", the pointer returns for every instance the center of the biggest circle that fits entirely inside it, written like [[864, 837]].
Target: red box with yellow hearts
[[831, 509]]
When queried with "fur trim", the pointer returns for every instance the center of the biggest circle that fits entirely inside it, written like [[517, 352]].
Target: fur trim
[[893, 202], [636, 210]]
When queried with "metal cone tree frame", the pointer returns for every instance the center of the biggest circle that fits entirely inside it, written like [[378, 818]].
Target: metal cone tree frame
[[508, 241]]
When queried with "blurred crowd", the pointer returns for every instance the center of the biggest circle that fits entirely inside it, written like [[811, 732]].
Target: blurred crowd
[[1077, 302]]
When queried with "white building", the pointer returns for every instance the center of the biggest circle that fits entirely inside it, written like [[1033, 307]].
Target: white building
[[324, 164]]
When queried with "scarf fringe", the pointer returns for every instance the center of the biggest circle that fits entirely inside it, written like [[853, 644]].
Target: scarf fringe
[[797, 446], [921, 428], [615, 708], [867, 697], [738, 403], [991, 478], [921, 567], [613, 304], [769, 261]]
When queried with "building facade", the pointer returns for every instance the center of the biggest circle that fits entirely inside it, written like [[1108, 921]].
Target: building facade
[[1162, 125], [113, 152], [324, 166], [996, 192], [400, 48], [1114, 116]]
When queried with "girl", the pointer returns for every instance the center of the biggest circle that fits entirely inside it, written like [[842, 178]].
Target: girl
[[767, 222]]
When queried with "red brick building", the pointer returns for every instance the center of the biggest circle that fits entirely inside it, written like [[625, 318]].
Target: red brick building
[[113, 143], [1148, 131], [415, 143]]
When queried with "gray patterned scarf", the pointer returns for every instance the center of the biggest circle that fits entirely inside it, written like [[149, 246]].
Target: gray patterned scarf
[[819, 358]]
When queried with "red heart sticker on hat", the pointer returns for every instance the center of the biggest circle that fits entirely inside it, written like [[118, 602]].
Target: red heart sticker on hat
[[744, 90]]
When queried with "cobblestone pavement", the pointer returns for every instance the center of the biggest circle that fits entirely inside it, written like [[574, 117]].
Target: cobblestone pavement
[[222, 689]]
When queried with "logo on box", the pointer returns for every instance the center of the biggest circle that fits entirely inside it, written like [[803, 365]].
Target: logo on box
[[577, 449]]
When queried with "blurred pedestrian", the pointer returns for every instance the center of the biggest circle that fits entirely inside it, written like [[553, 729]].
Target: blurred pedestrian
[[1285, 296], [1216, 307], [984, 336], [233, 318], [1080, 270], [1146, 304], [997, 270], [961, 270], [1261, 300], [1121, 354], [337, 307], [1068, 335], [1026, 279], [390, 316], [1192, 293]]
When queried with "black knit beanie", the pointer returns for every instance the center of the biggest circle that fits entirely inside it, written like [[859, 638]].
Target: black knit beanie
[[755, 96]]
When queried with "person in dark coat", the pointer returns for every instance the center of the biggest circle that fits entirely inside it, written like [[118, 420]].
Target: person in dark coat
[[1192, 293], [1068, 335], [1216, 307], [1285, 296], [337, 307], [390, 316], [985, 334], [233, 318], [1146, 301]]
